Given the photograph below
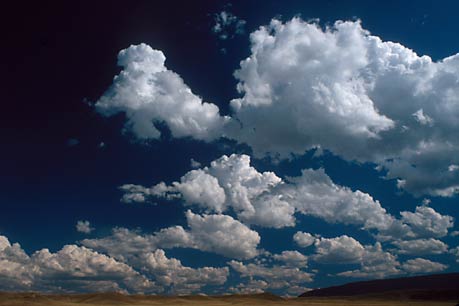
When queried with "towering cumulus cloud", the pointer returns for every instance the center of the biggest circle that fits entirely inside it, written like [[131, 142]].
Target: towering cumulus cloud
[[343, 90], [148, 93]]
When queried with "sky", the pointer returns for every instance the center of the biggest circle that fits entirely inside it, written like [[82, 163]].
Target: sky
[[227, 146]]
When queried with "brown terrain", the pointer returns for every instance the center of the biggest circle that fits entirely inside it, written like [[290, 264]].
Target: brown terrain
[[34, 299], [430, 290]]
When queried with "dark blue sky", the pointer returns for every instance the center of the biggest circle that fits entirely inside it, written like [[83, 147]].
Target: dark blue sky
[[60, 58]]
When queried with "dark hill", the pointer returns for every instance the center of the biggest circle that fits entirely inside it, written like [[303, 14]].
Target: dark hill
[[427, 287]]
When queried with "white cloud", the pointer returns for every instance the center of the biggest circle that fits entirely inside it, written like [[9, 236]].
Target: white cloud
[[304, 239], [229, 182], [195, 164], [220, 234], [455, 252], [223, 235], [169, 272], [314, 193], [426, 222], [14, 270], [148, 93], [339, 89], [292, 258], [421, 265], [71, 269], [227, 25], [422, 118], [250, 287], [375, 263], [421, 246], [339, 250], [80, 269], [84, 227], [263, 198], [274, 277], [303, 87]]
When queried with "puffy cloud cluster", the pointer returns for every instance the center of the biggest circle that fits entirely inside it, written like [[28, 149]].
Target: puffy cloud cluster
[[304, 239], [170, 273], [426, 222], [301, 89], [270, 277], [83, 226], [220, 234], [349, 92], [303, 86], [339, 250], [227, 25], [149, 94], [421, 265], [421, 246], [292, 258], [455, 252], [231, 183], [374, 261], [80, 269], [73, 268]]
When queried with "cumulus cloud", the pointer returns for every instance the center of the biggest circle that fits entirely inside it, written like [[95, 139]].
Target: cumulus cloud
[[220, 234], [71, 269], [375, 263], [422, 118], [170, 273], [421, 265], [314, 193], [274, 277], [195, 164], [304, 239], [230, 182], [84, 227], [223, 235], [340, 88], [150, 94], [80, 269], [426, 222], [421, 246], [249, 287], [14, 272], [227, 25], [303, 86], [263, 198], [339, 250], [292, 258], [455, 252]]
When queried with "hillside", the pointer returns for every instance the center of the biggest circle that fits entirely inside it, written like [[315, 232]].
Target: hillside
[[428, 287]]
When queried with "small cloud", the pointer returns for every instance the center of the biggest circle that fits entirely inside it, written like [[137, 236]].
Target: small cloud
[[227, 25], [102, 145], [71, 142], [426, 201], [195, 164], [422, 118], [454, 233], [84, 227]]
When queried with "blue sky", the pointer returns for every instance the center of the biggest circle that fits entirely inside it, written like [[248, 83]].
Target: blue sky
[[240, 147]]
